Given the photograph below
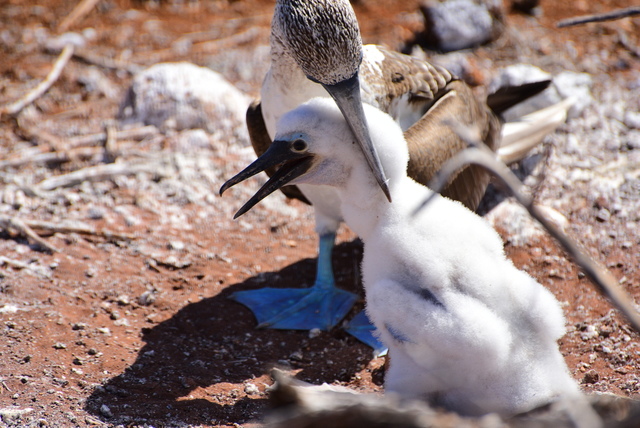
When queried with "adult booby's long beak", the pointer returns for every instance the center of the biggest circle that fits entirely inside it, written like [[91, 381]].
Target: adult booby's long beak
[[347, 95], [292, 165]]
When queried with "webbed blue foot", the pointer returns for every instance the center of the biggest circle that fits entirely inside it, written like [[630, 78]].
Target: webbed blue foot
[[322, 306], [362, 329], [297, 309]]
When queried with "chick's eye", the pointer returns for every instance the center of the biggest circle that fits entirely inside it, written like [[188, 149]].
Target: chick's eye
[[299, 146]]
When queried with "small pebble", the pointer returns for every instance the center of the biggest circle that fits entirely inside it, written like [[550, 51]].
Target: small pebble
[[106, 411], [632, 119], [590, 332], [603, 215], [590, 377], [176, 245], [251, 389], [78, 326], [314, 332], [123, 300]]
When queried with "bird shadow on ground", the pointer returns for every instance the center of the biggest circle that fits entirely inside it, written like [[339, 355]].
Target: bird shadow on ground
[[213, 345]]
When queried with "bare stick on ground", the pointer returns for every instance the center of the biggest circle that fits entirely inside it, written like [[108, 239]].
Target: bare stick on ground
[[608, 16], [99, 138], [38, 270], [92, 58], [38, 91], [75, 226], [54, 157], [78, 12], [482, 156], [102, 172], [13, 223]]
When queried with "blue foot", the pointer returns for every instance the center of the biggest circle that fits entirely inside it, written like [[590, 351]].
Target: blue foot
[[361, 328], [297, 308], [321, 306]]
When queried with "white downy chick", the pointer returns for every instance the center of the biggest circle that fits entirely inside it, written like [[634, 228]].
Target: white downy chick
[[465, 328]]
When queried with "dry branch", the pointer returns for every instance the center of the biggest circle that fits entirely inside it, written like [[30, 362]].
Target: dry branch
[[26, 266], [482, 156], [101, 172], [43, 139], [99, 138], [75, 226], [15, 224], [73, 146], [38, 91], [78, 12], [104, 62], [599, 17], [49, 157]]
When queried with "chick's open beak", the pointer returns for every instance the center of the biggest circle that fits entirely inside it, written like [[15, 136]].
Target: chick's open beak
[[291, 165]]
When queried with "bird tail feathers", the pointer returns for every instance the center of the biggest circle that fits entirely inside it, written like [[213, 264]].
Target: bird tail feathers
[[520, 136]]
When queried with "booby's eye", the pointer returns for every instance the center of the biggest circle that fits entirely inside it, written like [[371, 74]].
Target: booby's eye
[[299, 146]]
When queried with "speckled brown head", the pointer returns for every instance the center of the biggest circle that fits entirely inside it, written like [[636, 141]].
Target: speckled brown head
[[322, 36]]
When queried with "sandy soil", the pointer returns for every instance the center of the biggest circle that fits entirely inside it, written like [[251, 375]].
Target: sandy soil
[[129, 322]]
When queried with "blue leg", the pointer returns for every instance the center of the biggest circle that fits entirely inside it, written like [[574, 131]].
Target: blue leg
[[321, 306], [362, 329]]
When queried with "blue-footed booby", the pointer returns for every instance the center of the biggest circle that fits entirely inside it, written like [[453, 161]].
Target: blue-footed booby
[[465, 329], [316, 50]]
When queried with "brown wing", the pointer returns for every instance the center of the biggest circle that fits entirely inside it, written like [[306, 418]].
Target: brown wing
[[400, 83], [432, 141], [261, 141], [394, 78]]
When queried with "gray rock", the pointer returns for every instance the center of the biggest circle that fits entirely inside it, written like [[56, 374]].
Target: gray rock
[[177, 96], [632, 119], [456, 62], [461, 24]]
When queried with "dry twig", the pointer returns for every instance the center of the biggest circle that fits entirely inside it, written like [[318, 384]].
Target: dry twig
[[482, 156], [599, 17], [50, 157], [74, 226], [104, 62], [38, 91], [73, 147], [101, 172], [99, 138], [15, 224], [42, 139], [78, 12], [38, 270]]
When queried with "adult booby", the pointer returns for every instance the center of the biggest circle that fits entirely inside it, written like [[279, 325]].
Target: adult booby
[[316, 50], [465, 328]]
